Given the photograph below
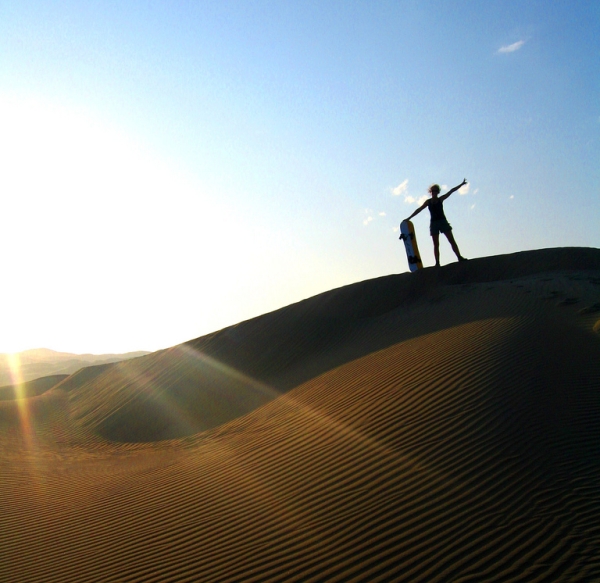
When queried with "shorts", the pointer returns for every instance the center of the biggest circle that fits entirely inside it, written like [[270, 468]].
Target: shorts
[[439, 226]]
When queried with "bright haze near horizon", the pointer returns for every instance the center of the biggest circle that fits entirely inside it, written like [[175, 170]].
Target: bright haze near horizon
[[171, 168]]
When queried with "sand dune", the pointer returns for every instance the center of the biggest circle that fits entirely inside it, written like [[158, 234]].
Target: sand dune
[[30, 388], [438, 426], [42, 362]]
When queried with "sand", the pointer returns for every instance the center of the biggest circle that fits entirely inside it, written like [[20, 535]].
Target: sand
[[437, 426], [41, 362]]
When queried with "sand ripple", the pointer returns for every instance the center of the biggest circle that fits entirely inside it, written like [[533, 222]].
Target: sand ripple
[[452, 437]]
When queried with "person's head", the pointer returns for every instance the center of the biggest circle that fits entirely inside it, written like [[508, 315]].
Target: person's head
[[434, 190]]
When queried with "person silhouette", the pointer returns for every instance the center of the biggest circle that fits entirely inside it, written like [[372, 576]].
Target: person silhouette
[[439, 223]]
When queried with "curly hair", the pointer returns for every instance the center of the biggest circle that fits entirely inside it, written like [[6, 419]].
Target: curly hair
[[435, 187]]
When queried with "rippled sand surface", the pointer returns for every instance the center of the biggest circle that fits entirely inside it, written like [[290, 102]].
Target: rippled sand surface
[[437, 426]]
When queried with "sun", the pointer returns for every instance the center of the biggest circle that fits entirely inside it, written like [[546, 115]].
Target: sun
[[106, 242]]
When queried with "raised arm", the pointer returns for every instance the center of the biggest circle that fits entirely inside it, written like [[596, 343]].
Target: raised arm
[[424, 205], [445, 196]]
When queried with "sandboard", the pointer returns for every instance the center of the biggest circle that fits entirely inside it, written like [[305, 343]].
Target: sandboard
[[407, 234]]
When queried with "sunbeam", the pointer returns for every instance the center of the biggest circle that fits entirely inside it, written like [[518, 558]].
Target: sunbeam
[[14, 364], [27, 424], [345, 431]]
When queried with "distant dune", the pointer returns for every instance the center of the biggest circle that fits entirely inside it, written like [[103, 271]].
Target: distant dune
[[30, 388], [42, 362], [437, 426]]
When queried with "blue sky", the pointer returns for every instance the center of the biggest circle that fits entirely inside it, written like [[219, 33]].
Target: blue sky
[[170, 168]]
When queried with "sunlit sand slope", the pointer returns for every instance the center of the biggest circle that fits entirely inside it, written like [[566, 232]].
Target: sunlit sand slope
[[453, 437]]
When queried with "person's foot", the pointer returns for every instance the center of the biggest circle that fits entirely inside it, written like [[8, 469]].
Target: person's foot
[[437, 265], [461, 258]]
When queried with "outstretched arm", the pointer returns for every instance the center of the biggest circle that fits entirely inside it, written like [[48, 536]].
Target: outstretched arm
[[418, 210], [445, 196]]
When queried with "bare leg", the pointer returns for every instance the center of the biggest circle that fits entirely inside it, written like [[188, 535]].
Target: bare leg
[[436, 249], [452, 242]]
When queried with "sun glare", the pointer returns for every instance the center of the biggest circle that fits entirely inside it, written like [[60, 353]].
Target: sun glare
[[100, 230], [112, 247], [14, 364]]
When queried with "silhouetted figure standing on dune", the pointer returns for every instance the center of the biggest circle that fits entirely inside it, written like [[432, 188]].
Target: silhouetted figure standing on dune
[[439, 223]]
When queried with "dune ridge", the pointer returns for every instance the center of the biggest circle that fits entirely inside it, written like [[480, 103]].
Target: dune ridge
[[30, 388], [453, 436], [244, 366], [42, 362]]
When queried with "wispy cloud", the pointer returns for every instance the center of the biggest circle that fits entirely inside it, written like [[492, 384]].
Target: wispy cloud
[[412, 199], [382, 214], [367, 220], [464, 189], [511, 48], [401, 188]]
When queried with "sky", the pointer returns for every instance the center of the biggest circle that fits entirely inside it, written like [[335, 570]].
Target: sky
[[169, 168]]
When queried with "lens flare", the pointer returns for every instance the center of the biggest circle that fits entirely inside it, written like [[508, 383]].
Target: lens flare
[[14, 365], [27, 434], [254, 480]]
